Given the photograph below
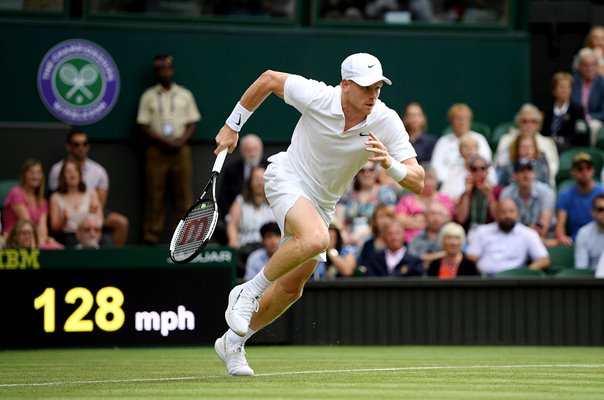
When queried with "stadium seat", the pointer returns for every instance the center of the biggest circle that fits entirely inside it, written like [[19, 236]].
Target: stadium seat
[[600, 138], [520, 272], [499, 131], [574, 272], [566, 161], [562, 256], [5, 186]]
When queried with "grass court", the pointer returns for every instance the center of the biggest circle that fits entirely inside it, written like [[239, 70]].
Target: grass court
[[306, 372]]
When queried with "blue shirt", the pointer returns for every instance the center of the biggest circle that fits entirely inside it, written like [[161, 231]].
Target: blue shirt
[[255, 262], [577, 207]]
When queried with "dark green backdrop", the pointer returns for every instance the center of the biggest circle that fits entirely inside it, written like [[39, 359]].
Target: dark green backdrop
[[488, 70]]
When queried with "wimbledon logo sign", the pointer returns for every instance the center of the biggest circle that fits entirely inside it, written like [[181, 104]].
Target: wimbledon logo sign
[[78, 82]]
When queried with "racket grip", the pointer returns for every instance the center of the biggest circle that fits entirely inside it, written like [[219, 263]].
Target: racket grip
[[219, 161]]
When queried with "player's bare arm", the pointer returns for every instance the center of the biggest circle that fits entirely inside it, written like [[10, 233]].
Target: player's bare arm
[[413, 180], [266, 84]]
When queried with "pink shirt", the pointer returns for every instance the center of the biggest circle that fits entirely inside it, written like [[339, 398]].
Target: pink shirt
[[408, 205], [17, 196]]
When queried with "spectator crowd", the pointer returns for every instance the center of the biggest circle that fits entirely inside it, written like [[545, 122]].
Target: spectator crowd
[[494, 200]]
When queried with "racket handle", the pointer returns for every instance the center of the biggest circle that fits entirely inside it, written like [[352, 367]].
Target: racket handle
[[219, 161]]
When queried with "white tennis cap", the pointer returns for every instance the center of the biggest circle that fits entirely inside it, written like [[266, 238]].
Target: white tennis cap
[[364, 69]]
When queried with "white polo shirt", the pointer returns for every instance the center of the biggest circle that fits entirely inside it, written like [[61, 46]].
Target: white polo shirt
[[500, 251], [321, 153], [94, 175]]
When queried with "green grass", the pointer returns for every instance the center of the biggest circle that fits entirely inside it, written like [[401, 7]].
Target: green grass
[[307, 373]]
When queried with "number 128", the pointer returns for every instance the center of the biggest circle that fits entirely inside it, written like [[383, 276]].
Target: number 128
[[108, 299]]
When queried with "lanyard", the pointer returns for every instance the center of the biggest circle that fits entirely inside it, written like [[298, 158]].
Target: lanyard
[[160, 104]]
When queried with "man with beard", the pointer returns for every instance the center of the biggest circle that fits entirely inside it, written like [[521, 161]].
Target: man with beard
[[506, 244], [168, 116]]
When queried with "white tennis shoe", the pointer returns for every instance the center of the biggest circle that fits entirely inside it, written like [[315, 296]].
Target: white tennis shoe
[[240, 309], [233, 356]]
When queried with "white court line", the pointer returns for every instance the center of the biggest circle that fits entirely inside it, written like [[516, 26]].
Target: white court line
[[325, 371]]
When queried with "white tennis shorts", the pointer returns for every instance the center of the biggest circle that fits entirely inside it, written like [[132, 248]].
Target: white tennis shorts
[[283, 188]]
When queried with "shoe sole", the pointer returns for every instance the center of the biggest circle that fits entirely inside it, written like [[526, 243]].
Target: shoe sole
[[232, 300]]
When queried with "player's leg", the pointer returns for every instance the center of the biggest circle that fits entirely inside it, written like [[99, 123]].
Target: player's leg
[[281, 295], [274, 302], [308, 236]]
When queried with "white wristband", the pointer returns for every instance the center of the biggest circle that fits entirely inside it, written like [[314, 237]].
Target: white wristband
[[238, 117], [397, 170]]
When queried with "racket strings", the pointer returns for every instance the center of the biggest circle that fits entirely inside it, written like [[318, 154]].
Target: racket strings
[[195, 229]]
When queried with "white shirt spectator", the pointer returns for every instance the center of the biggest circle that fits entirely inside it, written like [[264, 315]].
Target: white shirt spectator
[[446, 153], [94, 175], [600, 269], [500, 251], [588, 246]]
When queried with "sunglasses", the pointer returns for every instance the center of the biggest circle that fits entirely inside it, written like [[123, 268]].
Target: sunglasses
[[78, 144], [529, 121], [477, 169], [583, 167]]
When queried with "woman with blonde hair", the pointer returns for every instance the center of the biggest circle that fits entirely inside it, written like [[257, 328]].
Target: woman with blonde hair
[[454, 263], [529, 121], [23, 235], [525, 147], [27, 201]]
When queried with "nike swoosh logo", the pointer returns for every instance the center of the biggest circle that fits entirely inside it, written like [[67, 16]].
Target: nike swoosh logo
[[371, 66], [239, 295], [363, 134], [239, 122]]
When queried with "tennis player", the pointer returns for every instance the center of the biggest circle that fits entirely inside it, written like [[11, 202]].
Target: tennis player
[[340, 129]]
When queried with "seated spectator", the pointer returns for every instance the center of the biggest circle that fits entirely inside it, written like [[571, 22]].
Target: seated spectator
[[27, 201], [575, 202], [381, 217], [410, 208], [590, 238], [535, 200], [477, 204], [416, 124], [446, 151], [525, 147], [237, 173], [394, 260], [529, 120], [425, 244], [452, 261], [248, 213], [89, 233], [595, 41], [355, 208], [95, 177], [23, 235], [454, 185], [506, 244], [271, 238], [564, 120], [341, 258], [71, 203], [588, 89]]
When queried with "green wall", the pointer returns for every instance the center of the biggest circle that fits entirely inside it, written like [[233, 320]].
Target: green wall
[[488, 70]]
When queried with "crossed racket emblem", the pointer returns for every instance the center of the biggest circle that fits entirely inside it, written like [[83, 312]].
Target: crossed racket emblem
[[78, 80]]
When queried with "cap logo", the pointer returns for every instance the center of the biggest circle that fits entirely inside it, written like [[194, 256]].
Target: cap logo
[[371, 66], [78, 82]]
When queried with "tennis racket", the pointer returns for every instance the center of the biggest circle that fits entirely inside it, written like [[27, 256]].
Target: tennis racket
[[197, 226]]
